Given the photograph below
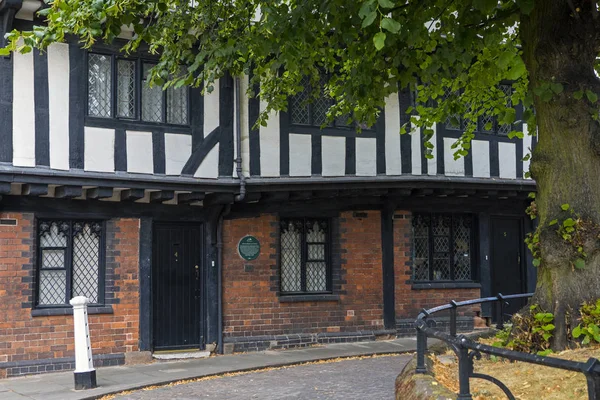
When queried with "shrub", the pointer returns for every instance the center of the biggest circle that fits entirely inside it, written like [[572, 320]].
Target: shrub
[[589, 326], [529, 333]]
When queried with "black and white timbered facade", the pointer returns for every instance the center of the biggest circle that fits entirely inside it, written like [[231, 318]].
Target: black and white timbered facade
[[87, 147]]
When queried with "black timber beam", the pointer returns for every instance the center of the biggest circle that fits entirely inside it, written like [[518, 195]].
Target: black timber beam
[[162, 196], [276, 196], [132, 194], [187, 198], [99, 193], [302, 195], [218, 199], [34, 189], [4, 188], [68, 192]]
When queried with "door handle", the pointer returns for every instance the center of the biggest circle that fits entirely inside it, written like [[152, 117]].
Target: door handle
[[197, 271]]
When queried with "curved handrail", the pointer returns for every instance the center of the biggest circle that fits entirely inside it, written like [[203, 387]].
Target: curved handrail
[[461, 345]]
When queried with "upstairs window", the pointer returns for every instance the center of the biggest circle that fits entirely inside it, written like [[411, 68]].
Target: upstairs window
[[305, 262], [307, 111], [443, 247], [486, 123], [118, 88], [70, 261]]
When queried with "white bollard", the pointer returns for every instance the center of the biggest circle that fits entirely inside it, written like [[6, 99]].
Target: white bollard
[[85, 374]]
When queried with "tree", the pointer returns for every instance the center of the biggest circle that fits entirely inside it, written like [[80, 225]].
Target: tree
[[451, 53]]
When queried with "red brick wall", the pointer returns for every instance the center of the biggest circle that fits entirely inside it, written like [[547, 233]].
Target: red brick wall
[[23, 337], [410, 302], [251, 306]]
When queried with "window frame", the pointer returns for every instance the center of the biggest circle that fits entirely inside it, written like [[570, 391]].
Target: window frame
[[69, 262], [139, 61], [473, 253], [332, 125], [304, 258]]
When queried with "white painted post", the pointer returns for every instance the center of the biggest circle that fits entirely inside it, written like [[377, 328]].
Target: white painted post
[[85, 374]]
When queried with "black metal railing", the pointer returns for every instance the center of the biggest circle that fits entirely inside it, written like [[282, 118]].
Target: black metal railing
[[467, 349]]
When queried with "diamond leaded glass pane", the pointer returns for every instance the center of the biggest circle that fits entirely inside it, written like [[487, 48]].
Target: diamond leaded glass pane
[[316, 277], [299, 105], [505, 129], [53, 273], [126, 89], [86, 260], [320, 105], [486, 123], [99, 85], [291, 257], [421, 248], [462, 247], [177, 105], [152, 98], [53, 287]]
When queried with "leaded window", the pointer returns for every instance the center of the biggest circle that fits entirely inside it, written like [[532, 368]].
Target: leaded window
[[305, 265], [443, 247], [306, 110], [486, 122], [70, 261], [119, 88]]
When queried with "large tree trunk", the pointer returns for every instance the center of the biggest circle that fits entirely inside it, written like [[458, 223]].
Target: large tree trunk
[[560, 45]]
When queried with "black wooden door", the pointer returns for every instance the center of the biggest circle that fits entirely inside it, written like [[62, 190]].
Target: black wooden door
[[507, 271], [177, 287]]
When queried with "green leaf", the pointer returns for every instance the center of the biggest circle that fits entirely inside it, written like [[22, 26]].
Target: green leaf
[[578, 95], [591, 96], [577, 331], [365, 8], [485, 5], [379, 40], [548, 328], [553, 222], [517, 70], [390, 25], [369, 18], [536, 262], [586, 340], [556, 87], [4, 51], [544, 353], [565, 207], [580, 263], [386, 3], [547, 336], [568, 222]]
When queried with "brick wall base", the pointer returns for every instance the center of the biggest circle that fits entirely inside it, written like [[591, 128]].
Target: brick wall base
[[20, 368]]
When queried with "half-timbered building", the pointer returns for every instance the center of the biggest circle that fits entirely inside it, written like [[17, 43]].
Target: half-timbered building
[[189, 228]]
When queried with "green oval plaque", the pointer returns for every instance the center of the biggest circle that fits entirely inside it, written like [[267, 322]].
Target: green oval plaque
[[249, 248]]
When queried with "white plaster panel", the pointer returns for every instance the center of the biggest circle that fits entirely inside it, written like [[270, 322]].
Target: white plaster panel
[[209, 167], [507, 157], [178, 149], [366, 156], [452, 167], [99, 149], [300, 155], [393, 163], [245, 125], [432, 162], [333, 155], [140, 157], [269, 145], [58, 94], [211, 110], [23, 111], [480, 150], [416, 143], [527, 140]]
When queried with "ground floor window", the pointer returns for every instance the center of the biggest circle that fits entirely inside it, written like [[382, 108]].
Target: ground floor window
[[443, 247], [305, 262], [70, 261]]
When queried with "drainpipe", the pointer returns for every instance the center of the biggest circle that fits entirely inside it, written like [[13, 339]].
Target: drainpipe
[[238, 136], [223, 213]]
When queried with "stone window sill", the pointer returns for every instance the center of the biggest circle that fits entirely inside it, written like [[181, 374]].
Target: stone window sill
[[445, 285], [295, 298], [46, 312]]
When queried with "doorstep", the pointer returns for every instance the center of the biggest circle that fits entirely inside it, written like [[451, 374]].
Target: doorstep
[[180, 354]]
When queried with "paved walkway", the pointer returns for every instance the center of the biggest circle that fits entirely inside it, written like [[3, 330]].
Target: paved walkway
[[362, 379], [116, 379]]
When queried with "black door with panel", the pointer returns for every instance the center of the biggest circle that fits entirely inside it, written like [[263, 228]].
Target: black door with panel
[[507, 271], [177, 312]]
